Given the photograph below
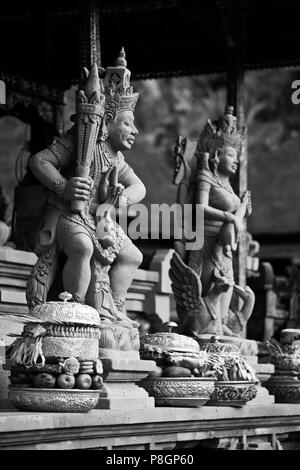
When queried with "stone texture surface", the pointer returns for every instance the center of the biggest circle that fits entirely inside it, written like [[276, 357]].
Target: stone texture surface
[[124, 395], [263, 397], [155, 428]]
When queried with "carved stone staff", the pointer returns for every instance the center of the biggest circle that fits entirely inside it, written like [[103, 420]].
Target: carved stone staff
[[89, 111]]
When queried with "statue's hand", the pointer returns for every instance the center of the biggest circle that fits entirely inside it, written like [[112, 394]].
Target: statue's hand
[[116, 190], [104, 209], [237, 223], [77, 188], [246, 200], [113, 194]]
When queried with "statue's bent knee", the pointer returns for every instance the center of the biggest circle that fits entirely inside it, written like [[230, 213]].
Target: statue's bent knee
[[79, 245], [130, 255]]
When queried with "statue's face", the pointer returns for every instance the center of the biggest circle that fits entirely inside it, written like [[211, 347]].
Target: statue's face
[[228, 161], [122, 131]]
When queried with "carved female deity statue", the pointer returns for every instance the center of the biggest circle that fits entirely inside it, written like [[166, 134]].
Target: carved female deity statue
[[78, 238], [203, 279]]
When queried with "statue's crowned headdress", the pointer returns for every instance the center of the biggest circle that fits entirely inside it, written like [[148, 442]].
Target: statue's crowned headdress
[[218, 134], [119, 95]]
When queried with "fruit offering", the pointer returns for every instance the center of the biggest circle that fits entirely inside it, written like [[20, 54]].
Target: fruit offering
[[175, 355], [66, 374]]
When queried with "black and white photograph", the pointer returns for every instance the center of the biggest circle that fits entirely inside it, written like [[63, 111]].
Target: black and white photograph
[[149, 228]]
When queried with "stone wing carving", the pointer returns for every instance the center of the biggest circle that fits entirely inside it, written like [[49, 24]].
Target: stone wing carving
[[196, 314], [186, 285]]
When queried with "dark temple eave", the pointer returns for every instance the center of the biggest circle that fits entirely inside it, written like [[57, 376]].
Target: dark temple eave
[[40, 40]]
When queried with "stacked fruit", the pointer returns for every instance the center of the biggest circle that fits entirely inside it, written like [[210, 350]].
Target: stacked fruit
[[180, 356], [62, 373]]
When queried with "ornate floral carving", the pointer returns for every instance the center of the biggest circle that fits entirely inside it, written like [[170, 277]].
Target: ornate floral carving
[[286, 393], [69, 312], [77, 401], [287, 361], [178, 387], [233, 393], [285, 390], [84, 348], [119, 94]]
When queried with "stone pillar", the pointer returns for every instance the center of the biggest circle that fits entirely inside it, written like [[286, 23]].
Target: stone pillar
[[235, 98]]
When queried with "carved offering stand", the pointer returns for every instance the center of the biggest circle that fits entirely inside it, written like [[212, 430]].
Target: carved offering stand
[[54, 364], [285, 383], [179, 378]]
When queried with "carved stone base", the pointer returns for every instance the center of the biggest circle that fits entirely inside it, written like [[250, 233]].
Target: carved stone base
[[124, 396], [263, 373], [181, 402], [263, 397], [122, 369]]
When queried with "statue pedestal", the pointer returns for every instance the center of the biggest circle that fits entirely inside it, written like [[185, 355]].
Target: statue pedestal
[[122, 370]]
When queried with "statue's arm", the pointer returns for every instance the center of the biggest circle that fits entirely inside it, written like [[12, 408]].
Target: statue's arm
[[245, 208], [46, 166], [135, 189]]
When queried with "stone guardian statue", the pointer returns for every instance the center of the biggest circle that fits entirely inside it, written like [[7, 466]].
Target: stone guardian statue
[[81, 249]]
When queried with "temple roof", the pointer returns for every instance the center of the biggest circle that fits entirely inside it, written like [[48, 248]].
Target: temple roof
[[40, 40]]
